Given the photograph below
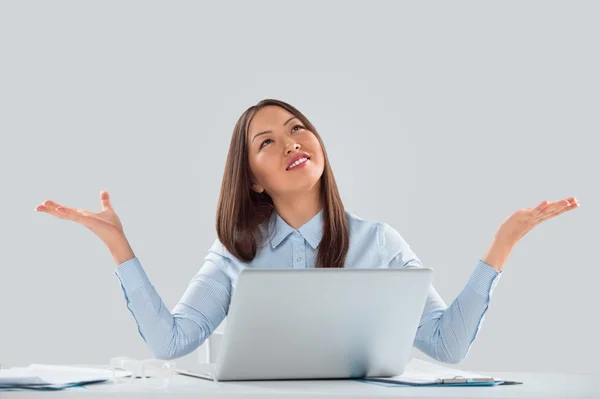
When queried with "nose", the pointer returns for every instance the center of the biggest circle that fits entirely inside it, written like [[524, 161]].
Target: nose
[[294, 147]]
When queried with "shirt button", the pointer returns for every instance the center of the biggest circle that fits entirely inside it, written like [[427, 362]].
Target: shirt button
[[298, 259]]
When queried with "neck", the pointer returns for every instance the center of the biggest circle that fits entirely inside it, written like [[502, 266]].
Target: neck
[[297, 209]]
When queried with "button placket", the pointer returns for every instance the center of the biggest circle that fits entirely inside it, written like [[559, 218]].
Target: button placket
[[298, 251]]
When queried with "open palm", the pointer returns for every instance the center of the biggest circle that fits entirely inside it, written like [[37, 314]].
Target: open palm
[[105, 224], [522, 221]]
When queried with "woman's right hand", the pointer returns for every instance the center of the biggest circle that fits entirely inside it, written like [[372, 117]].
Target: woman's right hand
[[105, 224]]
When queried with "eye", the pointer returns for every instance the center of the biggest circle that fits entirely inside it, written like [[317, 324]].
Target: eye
[[263, 143], [267, 140], [296, 127]]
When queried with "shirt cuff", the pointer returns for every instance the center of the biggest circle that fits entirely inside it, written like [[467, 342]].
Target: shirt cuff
[[132, 275], [484, 279]]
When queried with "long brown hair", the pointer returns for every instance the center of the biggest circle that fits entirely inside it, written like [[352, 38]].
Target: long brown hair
[[241, 210]]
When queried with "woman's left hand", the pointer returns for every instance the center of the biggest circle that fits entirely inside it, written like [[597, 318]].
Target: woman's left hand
[[519, 223]]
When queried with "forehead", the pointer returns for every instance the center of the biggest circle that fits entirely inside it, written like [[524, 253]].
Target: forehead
[[268, 118]]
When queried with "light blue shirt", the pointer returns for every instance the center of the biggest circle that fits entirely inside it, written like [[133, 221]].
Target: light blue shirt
[[445, 333]]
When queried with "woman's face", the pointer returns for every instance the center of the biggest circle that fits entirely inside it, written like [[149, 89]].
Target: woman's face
[[270, 153]]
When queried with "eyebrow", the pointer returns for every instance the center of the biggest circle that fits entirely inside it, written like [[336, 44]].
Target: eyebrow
[[270, 131]]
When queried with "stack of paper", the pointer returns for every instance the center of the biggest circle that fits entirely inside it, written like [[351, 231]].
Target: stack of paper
[[50, 377], [418, 370]]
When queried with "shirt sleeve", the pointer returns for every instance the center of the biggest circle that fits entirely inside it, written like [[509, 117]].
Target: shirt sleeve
[[445, 333], [176, 333]]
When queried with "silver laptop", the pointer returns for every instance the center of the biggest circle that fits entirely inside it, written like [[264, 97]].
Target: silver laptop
[[320, 323]]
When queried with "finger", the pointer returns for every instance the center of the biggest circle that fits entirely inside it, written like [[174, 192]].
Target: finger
[[52, 207], [105, 200], [553, 210], [81, 216], [54, 211], [52, 204], [72, 214], [572, 205], [70, 208], [566, 203], [545, 208], [538, 209], [550, 215], [49, 207], [555, 207]]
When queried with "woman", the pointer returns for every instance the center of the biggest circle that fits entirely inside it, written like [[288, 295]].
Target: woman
[[279, 206]]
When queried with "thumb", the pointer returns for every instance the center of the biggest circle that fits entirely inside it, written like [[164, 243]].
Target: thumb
[[105, 200]]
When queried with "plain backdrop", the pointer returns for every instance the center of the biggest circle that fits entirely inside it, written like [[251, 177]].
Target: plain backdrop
[[440, 118]]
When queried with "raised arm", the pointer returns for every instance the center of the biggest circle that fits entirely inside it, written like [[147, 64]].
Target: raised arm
[[168, 334], [176, 333], [445, 333]]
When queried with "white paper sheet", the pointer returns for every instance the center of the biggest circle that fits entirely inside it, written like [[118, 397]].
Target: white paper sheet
[[38, 374]]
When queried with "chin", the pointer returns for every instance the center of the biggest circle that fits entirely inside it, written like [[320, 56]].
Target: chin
[[304, 186]]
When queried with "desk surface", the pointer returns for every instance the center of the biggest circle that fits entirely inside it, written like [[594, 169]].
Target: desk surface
[[535, 385]]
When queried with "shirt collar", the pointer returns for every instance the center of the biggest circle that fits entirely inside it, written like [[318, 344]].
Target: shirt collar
[[312, 231]]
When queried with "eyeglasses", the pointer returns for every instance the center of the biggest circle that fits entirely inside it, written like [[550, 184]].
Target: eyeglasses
[[154, 373]]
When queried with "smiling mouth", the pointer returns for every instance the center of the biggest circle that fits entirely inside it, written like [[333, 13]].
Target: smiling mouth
[[298, 162]]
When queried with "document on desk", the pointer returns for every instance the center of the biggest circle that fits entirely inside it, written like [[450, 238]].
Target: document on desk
[[52, 377], [422, 373]]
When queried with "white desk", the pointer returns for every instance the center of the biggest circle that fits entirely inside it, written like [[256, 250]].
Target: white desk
[[536, 385]]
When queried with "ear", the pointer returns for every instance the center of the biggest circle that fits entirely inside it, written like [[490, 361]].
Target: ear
[[259, 189], [255, 186]]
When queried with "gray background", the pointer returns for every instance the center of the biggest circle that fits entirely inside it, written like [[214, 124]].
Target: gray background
[[440, 119]]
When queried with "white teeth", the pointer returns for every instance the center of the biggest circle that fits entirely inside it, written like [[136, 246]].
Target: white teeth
[[298, 162]]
